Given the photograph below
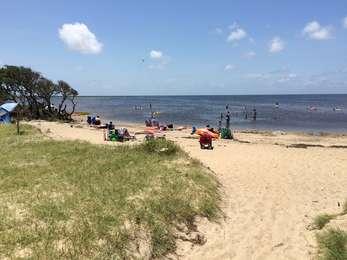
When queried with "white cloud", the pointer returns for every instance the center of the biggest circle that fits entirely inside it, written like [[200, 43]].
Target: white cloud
[[234, 26], [159, 60], [78, 37], [286, 78], [276, 76], [250, 54], [344, 22], [156, 55], [229, 67], [276, 45], [236, 35], [218, 31], [315, 31]]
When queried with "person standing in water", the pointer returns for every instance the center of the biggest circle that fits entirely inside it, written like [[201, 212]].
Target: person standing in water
[[220, 122], [254, 114], [227, 117], [151, 111], [227, 120]]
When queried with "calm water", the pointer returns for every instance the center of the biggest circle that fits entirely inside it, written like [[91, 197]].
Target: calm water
[[292, 114]]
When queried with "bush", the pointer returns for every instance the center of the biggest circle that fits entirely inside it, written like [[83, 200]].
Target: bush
[[333, 245], [160, 146]]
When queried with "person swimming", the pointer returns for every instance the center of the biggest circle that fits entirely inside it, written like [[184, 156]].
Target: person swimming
[[312, 108]]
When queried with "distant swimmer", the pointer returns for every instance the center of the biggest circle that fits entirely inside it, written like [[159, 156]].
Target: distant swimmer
[[254, 114], [277, 105], [337, 109], [245, 112]]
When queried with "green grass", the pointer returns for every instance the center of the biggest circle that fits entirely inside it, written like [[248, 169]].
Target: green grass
[[332, 245], [321, 220], [78, 200], [82, 113]]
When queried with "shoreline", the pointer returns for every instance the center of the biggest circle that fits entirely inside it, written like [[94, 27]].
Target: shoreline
[[124, 123], [247, 136]]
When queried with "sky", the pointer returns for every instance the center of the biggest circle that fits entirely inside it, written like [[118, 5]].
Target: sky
[[163, 47]]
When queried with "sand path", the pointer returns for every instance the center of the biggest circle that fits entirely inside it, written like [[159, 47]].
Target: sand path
[[270, 192]]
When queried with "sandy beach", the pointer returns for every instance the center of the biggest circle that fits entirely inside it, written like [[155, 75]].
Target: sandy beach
[[273, 185]]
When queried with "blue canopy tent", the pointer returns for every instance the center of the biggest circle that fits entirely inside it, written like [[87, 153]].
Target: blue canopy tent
[[5, 112]]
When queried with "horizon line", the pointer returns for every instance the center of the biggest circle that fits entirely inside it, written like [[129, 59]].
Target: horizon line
[[185, 95]]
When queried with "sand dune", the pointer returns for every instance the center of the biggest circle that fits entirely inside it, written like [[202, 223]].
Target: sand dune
[[271, 191]]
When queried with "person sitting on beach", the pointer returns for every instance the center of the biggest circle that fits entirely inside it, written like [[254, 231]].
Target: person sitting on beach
[[211, 129], [97, 120], [89, 120], [110, 126], [154, 123]]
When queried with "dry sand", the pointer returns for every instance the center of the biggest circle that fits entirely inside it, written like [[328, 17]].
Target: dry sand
[[271, 192]]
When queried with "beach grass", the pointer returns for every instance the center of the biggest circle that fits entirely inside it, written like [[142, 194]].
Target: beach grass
[[321, 220], [332, 244], [69, 199]]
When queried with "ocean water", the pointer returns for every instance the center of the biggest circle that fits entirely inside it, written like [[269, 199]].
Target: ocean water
[[292, 114]]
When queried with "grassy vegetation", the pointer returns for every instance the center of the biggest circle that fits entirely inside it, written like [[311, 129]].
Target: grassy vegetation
[[332, 244], [82, 113], [321, 220], [77, 200]]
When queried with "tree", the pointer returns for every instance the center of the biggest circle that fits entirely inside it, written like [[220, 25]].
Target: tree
[[34, 93], [67, 94]]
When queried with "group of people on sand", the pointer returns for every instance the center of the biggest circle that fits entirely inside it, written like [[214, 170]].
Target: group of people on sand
[[110, 131], [92, 120]]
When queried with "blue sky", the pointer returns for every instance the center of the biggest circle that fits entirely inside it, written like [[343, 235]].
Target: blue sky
[[167, 47]]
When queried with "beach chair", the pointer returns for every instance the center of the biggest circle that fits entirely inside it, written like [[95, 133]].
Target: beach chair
[[205, 141]]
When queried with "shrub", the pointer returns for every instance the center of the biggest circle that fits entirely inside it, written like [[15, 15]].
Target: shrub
[[321, 220], [333, 245], [160, 146]]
